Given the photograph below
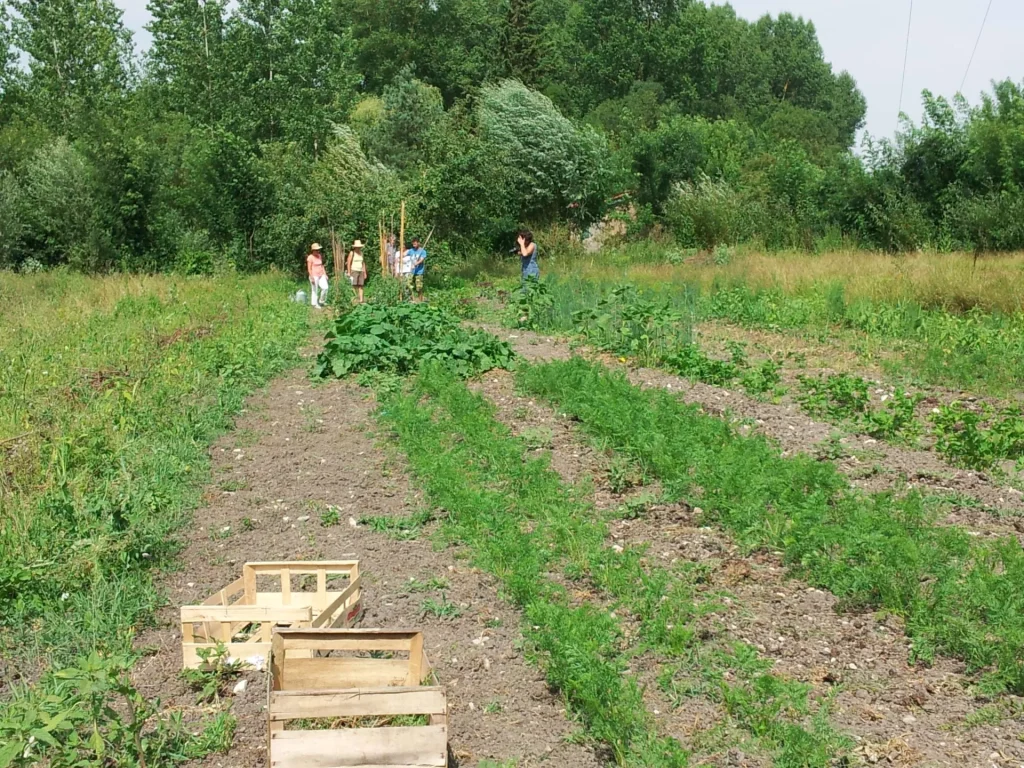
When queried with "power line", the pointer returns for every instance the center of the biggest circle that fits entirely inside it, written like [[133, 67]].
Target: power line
[[980, 31], [906, 53]]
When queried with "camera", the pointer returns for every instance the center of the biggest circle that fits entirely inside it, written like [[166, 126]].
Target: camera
[[514, 250]]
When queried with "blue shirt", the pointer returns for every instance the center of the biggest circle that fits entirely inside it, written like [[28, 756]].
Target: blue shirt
[[415, 255]]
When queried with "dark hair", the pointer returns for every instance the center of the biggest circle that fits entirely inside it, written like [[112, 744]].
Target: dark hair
[[527, 235]]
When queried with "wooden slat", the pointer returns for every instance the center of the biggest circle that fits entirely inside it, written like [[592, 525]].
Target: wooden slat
[[246, 613], [416, 671], [321, 591], [424, 746], [276, 662], [334, 673], [249, 584], [286, 586], [223, 596], [347, 639], [419, 700], [339, 601], [304, 567]]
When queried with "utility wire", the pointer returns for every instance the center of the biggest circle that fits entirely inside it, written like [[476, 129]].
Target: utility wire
[[971, 61], [906, 53]]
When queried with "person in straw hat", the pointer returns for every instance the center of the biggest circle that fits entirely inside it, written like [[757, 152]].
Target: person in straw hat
[[356, 268], [317, 276]]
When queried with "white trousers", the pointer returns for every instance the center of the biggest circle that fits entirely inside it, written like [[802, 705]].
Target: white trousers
[[314, 284]]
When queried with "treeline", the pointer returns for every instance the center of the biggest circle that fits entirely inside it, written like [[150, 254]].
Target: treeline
[[249, 129]]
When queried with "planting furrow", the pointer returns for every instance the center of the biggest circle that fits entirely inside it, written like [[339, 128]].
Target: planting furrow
[[858, 659], [958, 595], [583, 597]]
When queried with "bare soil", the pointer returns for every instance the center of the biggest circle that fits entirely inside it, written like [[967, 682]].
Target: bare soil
[[898, 713], [295, 450]]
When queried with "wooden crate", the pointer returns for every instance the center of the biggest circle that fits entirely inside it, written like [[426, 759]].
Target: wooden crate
[[242, 616], [341, 677]]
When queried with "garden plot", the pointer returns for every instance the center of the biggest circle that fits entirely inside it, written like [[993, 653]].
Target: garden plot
[[289, 482], [898, 712], [976, 500]]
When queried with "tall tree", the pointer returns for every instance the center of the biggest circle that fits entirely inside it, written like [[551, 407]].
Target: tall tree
[[521, 40], [79, 58], [294, 68], [186, 56]]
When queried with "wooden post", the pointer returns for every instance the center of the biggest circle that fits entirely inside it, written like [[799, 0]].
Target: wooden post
[[337, 255]]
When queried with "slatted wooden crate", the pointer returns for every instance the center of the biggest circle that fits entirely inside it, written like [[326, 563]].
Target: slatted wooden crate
[[335, 694], [243, 615]]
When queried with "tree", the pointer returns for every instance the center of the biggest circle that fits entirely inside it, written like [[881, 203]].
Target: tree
[[186, 58], [79, 58], [63, 209], [557, 169]]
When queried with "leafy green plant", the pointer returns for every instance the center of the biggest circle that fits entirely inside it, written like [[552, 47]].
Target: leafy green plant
[[838, 397], [763, 379], [977, 437], [896, 420], [441, 609], [691, 362], [397, 339], [90, 715], [628, 323], [531, 305], [214, 675], [330, 517]]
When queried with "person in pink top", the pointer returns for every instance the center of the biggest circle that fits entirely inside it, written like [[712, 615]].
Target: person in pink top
[[317, 276]]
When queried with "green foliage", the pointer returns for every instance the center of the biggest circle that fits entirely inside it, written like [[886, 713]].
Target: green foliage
[[215, 673], [399, 338], [119, 410], [975, 437], [531, 305], [90, 714], [627, 322], [400, 528], [550, 162], [957, 595], [838, 397], [520, 523], [896, 421]]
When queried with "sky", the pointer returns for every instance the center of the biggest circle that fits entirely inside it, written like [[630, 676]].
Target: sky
[[867, 38]]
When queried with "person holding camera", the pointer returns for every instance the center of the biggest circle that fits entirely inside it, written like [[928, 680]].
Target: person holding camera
[[528, 256]]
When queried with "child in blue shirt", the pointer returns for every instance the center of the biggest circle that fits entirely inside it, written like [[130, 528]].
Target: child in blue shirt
[[416, 257]]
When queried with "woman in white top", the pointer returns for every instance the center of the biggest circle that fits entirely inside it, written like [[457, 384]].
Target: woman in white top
[[356, 268]]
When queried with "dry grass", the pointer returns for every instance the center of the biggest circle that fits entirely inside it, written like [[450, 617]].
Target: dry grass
[[952, 281]]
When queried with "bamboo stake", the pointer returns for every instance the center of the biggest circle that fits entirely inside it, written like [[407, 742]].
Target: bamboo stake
[[401, 241], [428, 237]]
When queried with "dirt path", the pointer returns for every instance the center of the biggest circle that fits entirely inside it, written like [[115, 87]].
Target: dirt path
[[295, 450], [976, 501], [897, 713]]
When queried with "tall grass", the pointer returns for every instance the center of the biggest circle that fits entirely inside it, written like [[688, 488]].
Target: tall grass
[[111, 389]]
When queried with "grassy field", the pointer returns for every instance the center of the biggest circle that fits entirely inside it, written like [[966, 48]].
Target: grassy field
[[111, 390]]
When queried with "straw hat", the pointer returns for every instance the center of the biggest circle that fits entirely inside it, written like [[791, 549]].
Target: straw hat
[[357, 244], [315, 247]]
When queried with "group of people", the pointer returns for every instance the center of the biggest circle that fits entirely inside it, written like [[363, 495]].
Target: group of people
[[409, 267]]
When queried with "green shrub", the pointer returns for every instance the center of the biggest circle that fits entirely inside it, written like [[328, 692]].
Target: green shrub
[[398, 338]]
